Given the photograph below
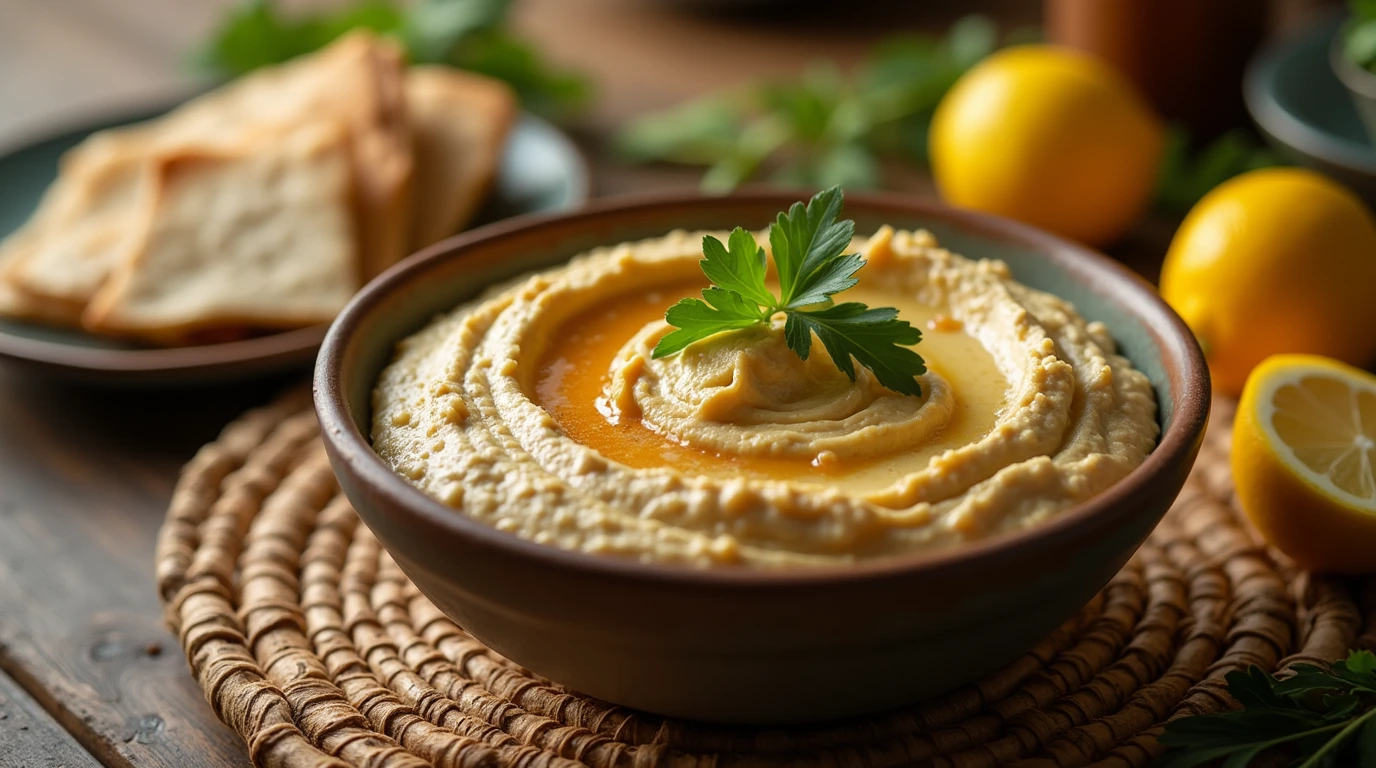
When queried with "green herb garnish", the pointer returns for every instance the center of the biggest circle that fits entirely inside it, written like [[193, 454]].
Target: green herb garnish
[[1359, 34], [467, 34], [1187, 176], [827, 128], [809, 247], [1314, 718], [822, 128]]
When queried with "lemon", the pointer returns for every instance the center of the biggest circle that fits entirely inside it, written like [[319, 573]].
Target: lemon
[[1275, 260], [1304, 460], [1048, 136]]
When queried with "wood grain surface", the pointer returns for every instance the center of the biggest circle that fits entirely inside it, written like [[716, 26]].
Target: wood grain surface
[[84, 480], [33, 739], [85, 474]]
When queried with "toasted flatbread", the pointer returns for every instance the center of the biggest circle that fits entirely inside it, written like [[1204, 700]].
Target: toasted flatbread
[[12, 302], [84, 232], [68, 248], [459, 125], [358, 80], [261, 237]]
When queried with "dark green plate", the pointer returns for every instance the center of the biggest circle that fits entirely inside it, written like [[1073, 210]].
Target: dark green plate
[[542, 171], [1306, 113]]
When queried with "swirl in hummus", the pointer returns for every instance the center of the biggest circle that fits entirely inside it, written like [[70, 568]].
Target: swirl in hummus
[[537, 409]]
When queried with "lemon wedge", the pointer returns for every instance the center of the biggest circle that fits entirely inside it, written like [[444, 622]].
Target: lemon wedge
[[1304, 460]]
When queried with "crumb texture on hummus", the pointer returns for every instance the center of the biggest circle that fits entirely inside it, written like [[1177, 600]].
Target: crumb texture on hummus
[[538, 409]]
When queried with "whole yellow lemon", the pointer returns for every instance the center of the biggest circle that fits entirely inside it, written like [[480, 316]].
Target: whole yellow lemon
[[1051, 137], [1273, 261]]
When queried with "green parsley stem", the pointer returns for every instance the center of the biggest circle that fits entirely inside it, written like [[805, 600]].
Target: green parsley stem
[[1353, 726]]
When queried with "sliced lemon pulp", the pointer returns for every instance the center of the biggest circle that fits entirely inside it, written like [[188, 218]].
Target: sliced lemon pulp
[[1323, 422]]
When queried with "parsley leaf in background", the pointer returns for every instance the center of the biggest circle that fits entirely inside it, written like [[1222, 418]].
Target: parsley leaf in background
[[1186, 177], [809, 245], [466, 34], [1316, 718], [824, 128], [542, 88], [433, 30], [1359, 34], [821, 128], [257, 34]]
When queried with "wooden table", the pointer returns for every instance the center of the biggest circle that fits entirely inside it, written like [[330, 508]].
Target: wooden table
[[88, 674]]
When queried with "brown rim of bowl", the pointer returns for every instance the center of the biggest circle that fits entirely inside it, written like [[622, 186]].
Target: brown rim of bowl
[[1120, 284], [259, 350]]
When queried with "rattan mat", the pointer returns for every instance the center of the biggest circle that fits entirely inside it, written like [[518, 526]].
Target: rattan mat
[[309, 641]]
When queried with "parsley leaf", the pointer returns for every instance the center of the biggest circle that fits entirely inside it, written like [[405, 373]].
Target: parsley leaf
[[739, 268], [1187, 176], [1317, 717], [872, 336], [823, 127], [805, 238], [831, 277], [466, 34], [697, 320], [809, 254]]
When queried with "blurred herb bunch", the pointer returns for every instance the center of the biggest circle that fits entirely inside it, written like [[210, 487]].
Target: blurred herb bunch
[[824, 128], [1359, 34], [467, 34]]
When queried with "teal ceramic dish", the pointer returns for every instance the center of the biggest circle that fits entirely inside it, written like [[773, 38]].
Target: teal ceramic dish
[[1307, 113], [747, 645], [541, 171], [1360, 84]]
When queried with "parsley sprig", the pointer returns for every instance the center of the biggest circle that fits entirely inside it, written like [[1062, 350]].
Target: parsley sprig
[[825, 126], [809, 247], [1359, 34], [467, 34], [1315, 718]]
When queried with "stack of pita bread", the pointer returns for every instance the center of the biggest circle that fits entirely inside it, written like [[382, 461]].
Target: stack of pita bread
[[262, 205]]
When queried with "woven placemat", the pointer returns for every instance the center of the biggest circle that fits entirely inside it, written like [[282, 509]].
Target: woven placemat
[[310, 642]]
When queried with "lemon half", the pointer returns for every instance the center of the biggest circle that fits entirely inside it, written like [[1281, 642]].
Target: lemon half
[[1304, 460]]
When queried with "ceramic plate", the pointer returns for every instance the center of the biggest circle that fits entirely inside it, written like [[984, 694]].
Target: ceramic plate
[[1305, 111], [542, 171]]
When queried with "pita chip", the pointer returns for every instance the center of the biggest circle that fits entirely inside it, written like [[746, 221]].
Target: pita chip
[[66, 251], [459, 125], [358, 80], [13, 303], [84, 221], [262, 237]]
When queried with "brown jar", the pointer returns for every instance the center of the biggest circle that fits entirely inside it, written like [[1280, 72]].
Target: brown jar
[[1187, 56]]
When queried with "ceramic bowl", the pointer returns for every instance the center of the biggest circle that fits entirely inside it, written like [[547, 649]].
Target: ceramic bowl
[[1305, 111], [756, 646]]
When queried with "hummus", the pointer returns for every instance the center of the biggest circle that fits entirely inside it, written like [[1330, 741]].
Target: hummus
[[537, 409]]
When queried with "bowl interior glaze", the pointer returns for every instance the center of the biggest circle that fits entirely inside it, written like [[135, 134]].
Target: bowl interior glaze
[[1036, 259]]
